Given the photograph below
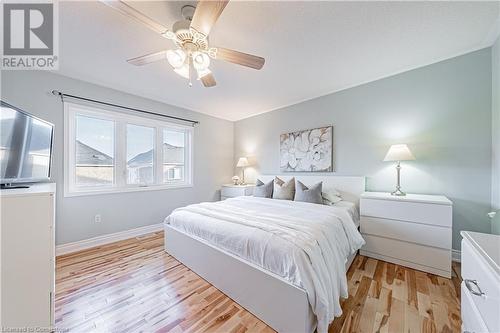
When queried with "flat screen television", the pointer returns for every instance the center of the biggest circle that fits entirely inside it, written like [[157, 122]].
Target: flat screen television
[[25, 147]]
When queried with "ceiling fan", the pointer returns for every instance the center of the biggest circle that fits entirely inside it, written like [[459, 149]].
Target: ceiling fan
[[192, 53]]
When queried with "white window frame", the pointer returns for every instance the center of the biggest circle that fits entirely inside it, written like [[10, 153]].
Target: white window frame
[[121, 119]]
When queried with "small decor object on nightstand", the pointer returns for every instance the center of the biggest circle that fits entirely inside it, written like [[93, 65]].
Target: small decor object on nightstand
[[235, 180], [242, 163], [399, 153]]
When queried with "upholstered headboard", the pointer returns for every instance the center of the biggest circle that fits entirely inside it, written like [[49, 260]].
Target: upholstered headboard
[[350, 187]]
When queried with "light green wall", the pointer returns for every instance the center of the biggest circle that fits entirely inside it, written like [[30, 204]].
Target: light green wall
[[495, 175], [442, 111]]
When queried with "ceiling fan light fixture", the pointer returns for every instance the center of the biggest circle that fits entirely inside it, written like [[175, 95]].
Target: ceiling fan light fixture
[[176, 58], [169, 35], [203, 72], [212, 52], [200, 60], [183, 71]]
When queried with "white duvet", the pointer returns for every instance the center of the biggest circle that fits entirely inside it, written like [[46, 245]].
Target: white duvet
[[306, 244]]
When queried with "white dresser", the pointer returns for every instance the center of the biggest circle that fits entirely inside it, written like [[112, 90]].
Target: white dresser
[[480, 305], [412, 230], [232, 191], [27, 257]]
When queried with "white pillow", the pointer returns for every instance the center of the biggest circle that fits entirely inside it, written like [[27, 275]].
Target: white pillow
[[331, 196], [284, 190]]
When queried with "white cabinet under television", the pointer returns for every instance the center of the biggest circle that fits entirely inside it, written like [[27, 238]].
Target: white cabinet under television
[[27, 256]]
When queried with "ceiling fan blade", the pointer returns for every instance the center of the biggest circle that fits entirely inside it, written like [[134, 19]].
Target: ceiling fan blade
[[206, 14], [129, 11], [240, 58], [148, 58], [208, 80]]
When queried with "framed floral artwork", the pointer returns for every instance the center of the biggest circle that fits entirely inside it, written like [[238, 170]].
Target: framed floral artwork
[[307, 150]]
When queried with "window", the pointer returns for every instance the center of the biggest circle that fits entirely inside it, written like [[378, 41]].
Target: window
[[140, 154], [173, 155], [94, 151], [108, 151]]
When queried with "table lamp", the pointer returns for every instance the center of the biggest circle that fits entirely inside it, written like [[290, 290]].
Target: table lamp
[[399, 153], [242, 163]]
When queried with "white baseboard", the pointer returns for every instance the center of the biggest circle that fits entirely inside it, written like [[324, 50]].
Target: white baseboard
[[106, 239], [456, 255]]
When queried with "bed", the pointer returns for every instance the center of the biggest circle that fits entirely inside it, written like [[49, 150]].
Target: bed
[[284, 261]]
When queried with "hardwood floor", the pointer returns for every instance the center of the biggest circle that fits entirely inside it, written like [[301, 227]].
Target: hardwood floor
[[385, 297], [134, 286]]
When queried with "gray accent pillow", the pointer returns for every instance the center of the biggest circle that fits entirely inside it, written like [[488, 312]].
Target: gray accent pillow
[[282, 190], [311, 194], [263, 190]]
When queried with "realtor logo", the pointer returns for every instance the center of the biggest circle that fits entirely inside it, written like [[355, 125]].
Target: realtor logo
[[29, 36]]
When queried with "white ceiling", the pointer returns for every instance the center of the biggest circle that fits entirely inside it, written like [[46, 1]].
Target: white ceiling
[[311, 48]]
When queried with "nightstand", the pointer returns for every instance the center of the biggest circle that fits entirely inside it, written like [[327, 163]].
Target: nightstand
[[231, 190], [412, 230]]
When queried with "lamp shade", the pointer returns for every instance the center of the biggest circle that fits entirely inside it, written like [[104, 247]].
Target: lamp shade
[[242, 162], [183, 71], [399, 153], [176, 58], [200, 60], [203, 72]]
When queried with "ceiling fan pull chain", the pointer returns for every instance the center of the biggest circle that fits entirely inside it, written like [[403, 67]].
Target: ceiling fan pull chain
[[190, 84]]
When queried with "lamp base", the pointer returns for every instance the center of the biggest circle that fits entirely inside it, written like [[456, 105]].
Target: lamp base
[[398, 193], [242, 182]]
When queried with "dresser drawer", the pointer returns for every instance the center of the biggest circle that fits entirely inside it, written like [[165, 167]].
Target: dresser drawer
[[231, 192], [427, 213], [424, 234], [475, 268], [411, 253], [472, 322]]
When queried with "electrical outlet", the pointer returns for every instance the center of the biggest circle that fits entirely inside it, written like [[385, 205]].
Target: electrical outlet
[[97, 218]]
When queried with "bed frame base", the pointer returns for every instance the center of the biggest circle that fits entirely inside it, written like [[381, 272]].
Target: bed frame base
[[270, 298], [280, 305]]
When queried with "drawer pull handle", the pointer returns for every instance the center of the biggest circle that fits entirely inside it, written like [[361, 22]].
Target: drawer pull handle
[[469, 283]]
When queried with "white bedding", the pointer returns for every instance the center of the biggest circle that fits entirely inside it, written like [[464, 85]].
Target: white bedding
[[306, 244], [351, 208]]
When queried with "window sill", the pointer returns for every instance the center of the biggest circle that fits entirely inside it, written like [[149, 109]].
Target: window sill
[[80, 193]]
